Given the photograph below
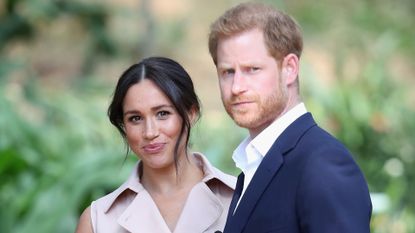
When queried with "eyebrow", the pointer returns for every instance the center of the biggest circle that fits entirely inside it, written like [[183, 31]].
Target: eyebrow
[[153, 109], [227, 66], [224, 66]]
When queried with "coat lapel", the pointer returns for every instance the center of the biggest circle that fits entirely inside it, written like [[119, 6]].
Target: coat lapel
[[263, 176], [266, 171], [202, 210], [236, 195], [143, 216]]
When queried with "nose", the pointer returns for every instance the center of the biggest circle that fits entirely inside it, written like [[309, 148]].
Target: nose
[[151, 129], [238, 83]]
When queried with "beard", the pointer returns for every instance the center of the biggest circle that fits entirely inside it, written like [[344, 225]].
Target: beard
[[262, 112]]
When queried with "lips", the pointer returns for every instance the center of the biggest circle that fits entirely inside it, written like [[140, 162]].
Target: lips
[[153, 148], [241, 104]]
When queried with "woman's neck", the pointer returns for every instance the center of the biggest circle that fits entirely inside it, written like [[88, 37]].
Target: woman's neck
[[168, 181]]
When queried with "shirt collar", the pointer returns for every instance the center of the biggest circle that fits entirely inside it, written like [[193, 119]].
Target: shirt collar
[[264, 140], [240, 156], [261, 144]]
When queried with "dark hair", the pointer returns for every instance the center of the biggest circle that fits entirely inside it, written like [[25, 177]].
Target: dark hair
[[174, 82]]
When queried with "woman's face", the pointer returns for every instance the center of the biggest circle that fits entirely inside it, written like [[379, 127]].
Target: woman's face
[[152, 125]]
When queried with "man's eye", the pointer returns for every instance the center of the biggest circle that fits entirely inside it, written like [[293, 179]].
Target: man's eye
[[254, 69], [228, 72]]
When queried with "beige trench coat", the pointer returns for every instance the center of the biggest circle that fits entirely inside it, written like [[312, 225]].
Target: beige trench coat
[[130, 208]]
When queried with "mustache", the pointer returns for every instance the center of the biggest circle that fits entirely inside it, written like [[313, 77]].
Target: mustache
[[241, 98]]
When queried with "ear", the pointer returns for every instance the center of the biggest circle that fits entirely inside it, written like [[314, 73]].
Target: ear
[[290, 69], [193, 115]]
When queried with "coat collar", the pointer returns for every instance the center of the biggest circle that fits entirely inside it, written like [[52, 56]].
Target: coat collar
[[202, 207], [132, 183], [290, 137], [212, 173], [269, 166]]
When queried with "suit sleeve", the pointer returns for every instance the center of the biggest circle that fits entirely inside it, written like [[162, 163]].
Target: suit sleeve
[[332, 194]]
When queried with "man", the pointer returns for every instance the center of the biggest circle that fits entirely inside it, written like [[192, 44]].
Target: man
[[295, 176]]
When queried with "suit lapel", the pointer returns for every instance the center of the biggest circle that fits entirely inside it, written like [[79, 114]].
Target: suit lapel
[[236, 195], [266, 171], [263, 176]]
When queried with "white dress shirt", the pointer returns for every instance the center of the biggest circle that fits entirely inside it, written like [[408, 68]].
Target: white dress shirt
[[249, 154]]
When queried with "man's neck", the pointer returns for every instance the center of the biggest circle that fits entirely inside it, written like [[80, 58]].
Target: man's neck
[[254, 132]]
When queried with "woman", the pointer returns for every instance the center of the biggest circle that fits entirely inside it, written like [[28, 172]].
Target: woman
[[170, 190]]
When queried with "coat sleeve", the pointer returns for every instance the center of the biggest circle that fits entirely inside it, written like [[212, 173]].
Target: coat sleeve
[[332, 194]]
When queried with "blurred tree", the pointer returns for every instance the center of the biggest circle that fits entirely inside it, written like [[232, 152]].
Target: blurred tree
[[94, 18], [13, 25], [146, 44]]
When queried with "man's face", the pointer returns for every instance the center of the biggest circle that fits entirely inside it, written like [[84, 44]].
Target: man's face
[[252, 89]]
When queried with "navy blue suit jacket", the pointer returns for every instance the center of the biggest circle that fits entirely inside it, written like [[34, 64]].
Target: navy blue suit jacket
[[308, 182]]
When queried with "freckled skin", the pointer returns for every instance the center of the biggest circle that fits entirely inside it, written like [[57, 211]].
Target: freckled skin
[[252, 88]]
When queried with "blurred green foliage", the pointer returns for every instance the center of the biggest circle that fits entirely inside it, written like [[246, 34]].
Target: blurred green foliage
[[49, 143], [58, 151]]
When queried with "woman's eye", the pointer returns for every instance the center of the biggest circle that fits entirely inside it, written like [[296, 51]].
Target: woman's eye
[[163, 114], [134, 118]]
